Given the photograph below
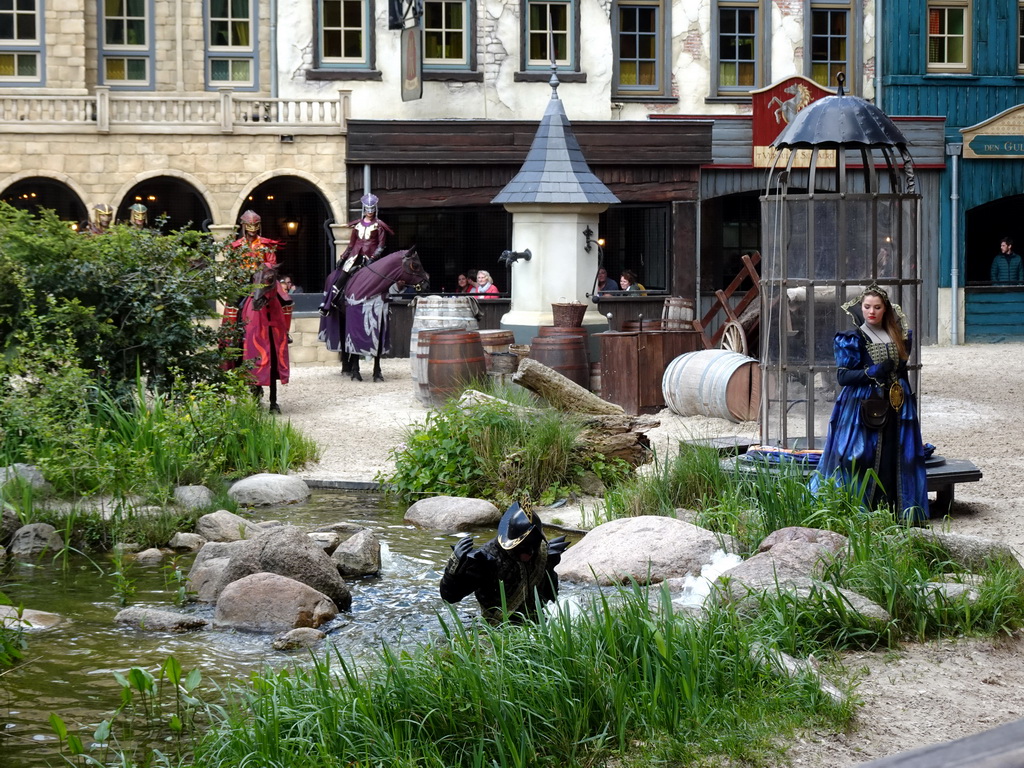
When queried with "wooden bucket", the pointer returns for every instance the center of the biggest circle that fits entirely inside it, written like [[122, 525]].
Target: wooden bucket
[[455, 359], [595, 378], [713, 382], [565, 354], [495, 342], [501, 362], [436, 313], [678, 314]]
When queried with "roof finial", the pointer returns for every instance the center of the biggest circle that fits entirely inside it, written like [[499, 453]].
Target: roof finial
[[841, 79], [553, 82]]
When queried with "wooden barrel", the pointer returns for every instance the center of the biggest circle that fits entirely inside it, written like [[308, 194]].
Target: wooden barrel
[[456, 358], [631, 326], [554, 330], [420, 361], [713, 382], [434, 313], [565, 354], [678, 314], [495, 342]]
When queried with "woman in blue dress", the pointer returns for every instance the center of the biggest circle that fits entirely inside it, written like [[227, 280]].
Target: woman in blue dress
[[872, 362]]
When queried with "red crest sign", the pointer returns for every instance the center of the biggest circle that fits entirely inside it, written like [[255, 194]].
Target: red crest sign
[[774, 108]]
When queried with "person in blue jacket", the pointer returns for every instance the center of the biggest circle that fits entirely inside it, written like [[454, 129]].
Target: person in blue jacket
[[886, 438]]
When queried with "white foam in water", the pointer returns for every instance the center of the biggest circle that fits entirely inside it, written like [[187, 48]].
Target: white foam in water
[[697, 588]]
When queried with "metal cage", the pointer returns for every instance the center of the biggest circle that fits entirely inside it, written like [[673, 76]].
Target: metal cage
[[840, 211]]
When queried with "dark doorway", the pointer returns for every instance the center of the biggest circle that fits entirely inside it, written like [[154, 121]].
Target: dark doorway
[[453, 241], [636, 237], [295, 213], [730, 227], [986, 226], [39, 193], [171, 203]]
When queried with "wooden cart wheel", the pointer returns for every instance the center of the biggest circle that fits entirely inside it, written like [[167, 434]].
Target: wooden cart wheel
[[734, 338]]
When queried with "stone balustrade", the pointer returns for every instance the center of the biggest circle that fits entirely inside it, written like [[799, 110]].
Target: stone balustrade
[[223, 112]]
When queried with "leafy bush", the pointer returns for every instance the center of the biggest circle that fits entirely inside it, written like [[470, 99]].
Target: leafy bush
[[495, 450], [134, 299]]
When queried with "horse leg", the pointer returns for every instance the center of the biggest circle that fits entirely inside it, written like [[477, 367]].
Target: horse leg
[[354, 368], [346, 365], [274, 407], [377, 375]]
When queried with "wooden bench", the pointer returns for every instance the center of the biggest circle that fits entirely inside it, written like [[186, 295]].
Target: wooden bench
[[942, 474]]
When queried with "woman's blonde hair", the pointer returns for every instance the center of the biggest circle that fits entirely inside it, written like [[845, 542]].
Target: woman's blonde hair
[[483, 276]]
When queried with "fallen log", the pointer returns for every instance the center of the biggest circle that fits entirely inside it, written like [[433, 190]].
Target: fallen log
[[562, 393]]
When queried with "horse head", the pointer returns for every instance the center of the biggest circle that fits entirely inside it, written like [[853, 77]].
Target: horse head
[[265, 284], [412, 270]]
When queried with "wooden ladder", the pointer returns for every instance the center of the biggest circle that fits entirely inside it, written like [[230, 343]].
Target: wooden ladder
[[733, 314]]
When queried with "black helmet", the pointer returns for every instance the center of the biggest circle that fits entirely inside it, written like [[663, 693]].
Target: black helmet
[[516, 526]]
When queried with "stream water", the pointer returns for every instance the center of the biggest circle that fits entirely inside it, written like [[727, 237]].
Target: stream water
[[68, 669]]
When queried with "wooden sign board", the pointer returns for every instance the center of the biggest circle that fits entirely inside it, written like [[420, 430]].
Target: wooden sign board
[[773, 109], [999, 137]]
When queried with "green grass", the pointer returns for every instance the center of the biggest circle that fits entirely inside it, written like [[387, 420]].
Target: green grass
[[621, 681]]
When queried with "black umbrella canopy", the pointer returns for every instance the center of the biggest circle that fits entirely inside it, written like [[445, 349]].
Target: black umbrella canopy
[[840, 120]]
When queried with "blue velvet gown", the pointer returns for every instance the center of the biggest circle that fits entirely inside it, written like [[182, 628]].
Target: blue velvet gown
[[895, 452]]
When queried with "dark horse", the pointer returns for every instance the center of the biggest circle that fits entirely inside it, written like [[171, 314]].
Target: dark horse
[[366, 311], [265, 316]]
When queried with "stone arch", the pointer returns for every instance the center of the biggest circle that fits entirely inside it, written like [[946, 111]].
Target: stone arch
[[56, 191], [177, 196], [295, 212], [335, 205]]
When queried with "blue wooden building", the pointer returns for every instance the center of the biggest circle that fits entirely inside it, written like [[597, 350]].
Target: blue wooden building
[[964, 60]]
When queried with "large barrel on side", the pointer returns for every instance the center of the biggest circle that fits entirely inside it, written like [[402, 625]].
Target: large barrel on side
[[713, 382], [565, 354], [436, 313], [678, 314], [456, 358]]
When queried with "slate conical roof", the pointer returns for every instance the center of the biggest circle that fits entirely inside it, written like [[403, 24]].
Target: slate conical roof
[[555, 170]]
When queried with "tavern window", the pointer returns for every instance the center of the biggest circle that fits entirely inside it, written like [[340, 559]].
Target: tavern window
[[640, 35], [740, 47], [949, 39], [20, 42]]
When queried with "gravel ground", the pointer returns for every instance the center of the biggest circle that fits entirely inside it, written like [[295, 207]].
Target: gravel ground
[[923, 694]]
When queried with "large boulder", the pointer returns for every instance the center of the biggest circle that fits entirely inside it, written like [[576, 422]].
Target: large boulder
[[225, 526], [186, 542], [648, 549], [35, 539], [28, 473], [193, 496], [826, 540], [269, 602], [155, 620], [452, 513], [358, 555], [971, 552], [793, 558], [288, 551], [9, 522], [267, 489], [206, 577]]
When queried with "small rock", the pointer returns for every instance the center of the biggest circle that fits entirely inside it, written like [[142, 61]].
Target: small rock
[[151, 556], [328, 541], [35, 539], [36, 621], [193, 496], [188, 542], [452, 513], [267, 489], [268, 602], [359, 555], [154, 620], [225, 526], [302, 637]]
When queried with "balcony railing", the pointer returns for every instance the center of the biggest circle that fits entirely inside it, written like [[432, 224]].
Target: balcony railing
[[223, 112]]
